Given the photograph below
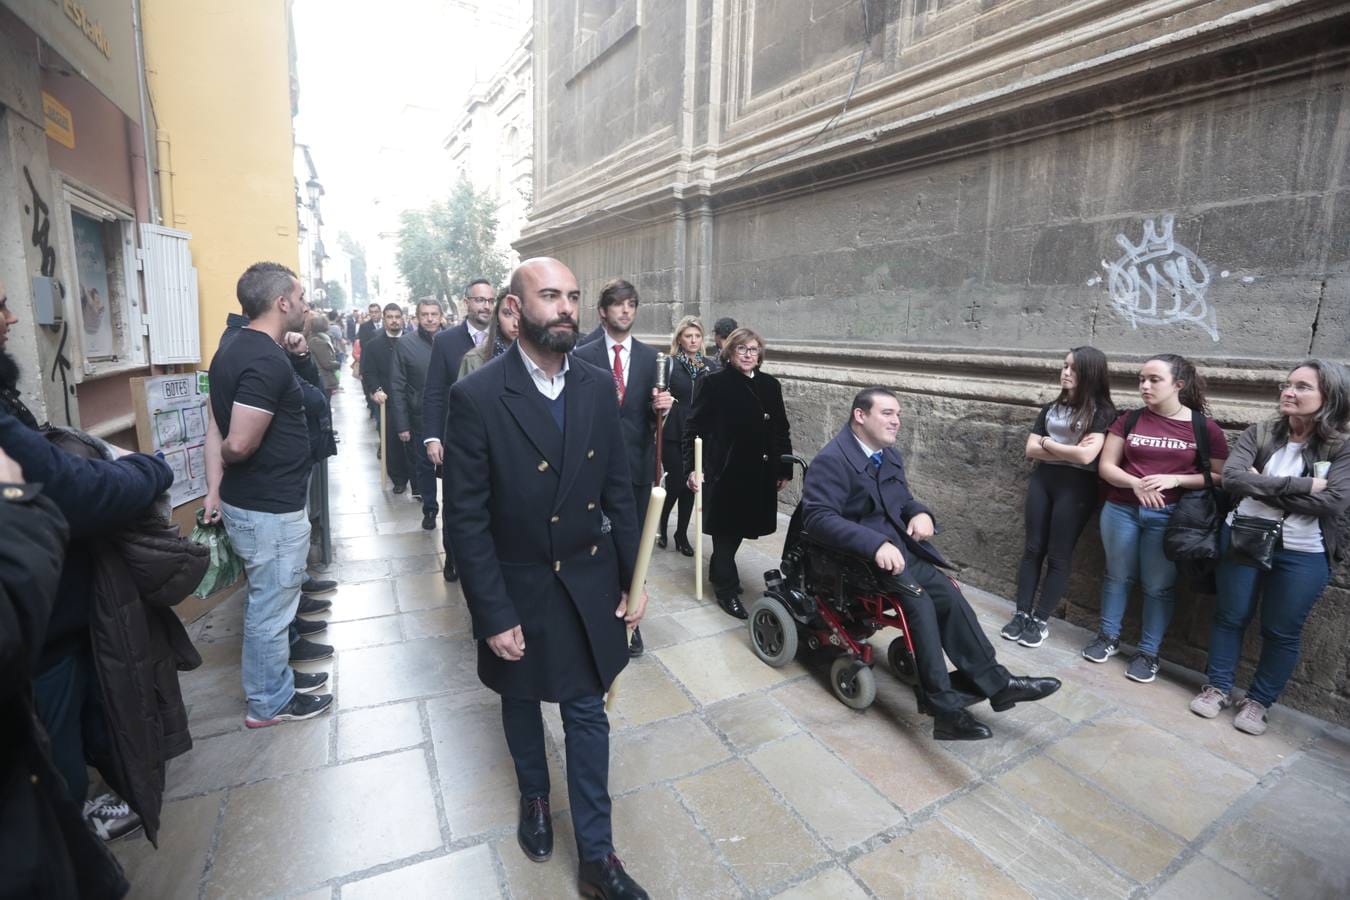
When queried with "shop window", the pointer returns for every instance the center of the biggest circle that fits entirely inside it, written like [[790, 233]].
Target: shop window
[[102, 303]]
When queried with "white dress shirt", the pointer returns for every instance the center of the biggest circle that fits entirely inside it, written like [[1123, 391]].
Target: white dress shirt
[[550, 387], [625, 355]]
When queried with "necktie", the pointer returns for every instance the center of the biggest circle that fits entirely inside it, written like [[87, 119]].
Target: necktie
[[618, 373], [479, 337], [876, 460]]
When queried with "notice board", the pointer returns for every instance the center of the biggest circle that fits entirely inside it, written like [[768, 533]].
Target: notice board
[[171, 419]]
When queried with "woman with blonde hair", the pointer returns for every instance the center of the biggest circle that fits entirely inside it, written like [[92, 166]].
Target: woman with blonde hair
[[688, 368]]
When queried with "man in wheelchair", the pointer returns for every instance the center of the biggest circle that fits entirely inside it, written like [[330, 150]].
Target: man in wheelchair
[[855, 498]]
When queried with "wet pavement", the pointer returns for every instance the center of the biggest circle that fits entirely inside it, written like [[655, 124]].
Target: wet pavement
[[730, 778]]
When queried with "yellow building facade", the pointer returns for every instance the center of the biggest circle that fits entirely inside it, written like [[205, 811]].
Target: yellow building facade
[[220, 77]]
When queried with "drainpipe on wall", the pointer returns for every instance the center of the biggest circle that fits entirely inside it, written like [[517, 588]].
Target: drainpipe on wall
[[165, 178], [145, 110]]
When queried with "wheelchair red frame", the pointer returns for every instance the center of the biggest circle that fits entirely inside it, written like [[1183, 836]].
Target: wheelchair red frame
[[829, 598]]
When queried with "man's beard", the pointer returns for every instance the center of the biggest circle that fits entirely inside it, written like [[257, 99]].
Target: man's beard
[[9, 372], [550, 341]]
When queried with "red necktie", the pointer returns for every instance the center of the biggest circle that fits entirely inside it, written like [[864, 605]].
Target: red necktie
[[618, 373]]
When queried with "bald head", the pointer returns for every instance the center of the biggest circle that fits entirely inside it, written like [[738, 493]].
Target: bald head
[[544, 295]]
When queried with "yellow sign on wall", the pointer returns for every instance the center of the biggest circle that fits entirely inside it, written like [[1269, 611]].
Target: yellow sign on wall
[[60, 123]]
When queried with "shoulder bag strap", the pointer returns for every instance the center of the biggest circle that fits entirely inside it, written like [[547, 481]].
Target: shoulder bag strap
[[1200, 426]]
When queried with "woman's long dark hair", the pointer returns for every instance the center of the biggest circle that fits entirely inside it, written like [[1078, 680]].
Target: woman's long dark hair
[[1092, 395], [1332, 421], [1192, 393], [493, 330]]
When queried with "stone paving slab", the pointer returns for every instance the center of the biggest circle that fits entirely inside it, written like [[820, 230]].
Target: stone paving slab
[[730, 779]]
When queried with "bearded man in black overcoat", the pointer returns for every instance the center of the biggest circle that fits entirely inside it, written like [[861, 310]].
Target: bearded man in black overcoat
[[545, 532]]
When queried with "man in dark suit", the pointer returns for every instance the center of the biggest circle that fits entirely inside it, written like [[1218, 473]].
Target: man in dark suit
[[855, 498], [411, 360], [377, 380], [537, 459], [446, 354], [632, 365], [370, 327]]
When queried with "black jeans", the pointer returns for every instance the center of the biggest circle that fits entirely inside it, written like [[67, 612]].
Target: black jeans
[[726, 580], [424, 473], [1060, 501], [397, 461], [943, 621], [677, 491], [70, 705], [587, 731]]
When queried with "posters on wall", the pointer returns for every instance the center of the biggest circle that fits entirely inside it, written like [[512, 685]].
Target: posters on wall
[[91, 263], [171, 419]]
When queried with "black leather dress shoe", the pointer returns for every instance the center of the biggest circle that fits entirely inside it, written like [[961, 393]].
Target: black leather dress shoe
[[682, 545], [661, 541], [1022, 689], [731, 604], [311, 605], [306, 627], [959, 726], [635, 648], [607, 879], [535, 831], [318, 586], [450, 572]]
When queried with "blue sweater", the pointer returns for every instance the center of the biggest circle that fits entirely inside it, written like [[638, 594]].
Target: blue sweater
[[96, 496]]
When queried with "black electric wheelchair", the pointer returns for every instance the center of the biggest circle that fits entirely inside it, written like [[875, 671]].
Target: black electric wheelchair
[[828, 598]]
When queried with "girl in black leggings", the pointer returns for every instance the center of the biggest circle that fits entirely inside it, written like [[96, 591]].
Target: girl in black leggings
[[1062, 494]]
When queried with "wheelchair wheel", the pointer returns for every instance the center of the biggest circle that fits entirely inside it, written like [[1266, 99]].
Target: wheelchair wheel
[[901, 662], [853, 683], [773, 632]]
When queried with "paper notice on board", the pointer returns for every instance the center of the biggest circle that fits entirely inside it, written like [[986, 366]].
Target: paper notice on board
[[177, 408]]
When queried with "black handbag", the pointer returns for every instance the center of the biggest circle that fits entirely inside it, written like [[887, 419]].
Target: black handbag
[[1252, 541]]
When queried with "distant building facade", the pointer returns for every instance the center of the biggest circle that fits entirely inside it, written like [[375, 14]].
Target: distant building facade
[[492, 142], [946, 195]]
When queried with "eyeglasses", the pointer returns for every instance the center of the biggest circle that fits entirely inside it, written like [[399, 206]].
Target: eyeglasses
[[747, 351], [1299, 388]]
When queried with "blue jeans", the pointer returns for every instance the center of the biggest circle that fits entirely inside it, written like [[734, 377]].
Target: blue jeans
[[1133, 539], [1288, 593], [274, 548]]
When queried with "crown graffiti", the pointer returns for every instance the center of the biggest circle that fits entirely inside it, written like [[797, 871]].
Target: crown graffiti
[[1154, 241]]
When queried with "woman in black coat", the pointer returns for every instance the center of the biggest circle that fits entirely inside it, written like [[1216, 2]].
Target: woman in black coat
[[739, 413], [688, 368]]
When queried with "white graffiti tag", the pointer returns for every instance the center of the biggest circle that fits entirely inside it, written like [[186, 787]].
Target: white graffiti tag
[[1159, 265]]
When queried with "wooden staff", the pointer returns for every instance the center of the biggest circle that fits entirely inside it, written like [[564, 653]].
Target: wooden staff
[[384, 449], [644, 559], [698, 519], [661, 383]]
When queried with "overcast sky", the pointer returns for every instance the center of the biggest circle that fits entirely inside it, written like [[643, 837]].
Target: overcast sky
[[384, 80]]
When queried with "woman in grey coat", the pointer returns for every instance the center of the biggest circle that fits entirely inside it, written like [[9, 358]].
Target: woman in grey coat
[[1295, 470]]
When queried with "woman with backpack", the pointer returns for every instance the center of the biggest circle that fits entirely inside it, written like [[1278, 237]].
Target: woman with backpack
[[1292, 474], [1062, 493], [1152, 455]]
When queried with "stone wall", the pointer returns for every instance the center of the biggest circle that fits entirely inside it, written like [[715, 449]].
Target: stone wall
[[1008, 181]]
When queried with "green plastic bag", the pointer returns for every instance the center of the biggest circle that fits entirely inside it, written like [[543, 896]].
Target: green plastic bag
[[226, 566]]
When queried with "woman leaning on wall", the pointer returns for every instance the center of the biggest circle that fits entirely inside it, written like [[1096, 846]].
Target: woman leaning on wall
[[1292, 474]]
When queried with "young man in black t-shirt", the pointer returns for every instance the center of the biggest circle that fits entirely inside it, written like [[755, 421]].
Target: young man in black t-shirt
[[257, 471]]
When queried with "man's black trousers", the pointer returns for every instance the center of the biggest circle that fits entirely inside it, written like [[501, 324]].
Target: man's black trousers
[[587, 745], [943, 620]]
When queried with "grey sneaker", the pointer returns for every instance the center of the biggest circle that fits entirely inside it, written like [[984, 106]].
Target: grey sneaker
[[1210, 702], [1251, 717], [1013, 630], [1101, 649], [1034, 633], [111, 817], [1143, 668]]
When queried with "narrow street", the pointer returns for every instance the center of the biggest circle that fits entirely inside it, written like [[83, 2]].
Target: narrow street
[[730, 779]]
